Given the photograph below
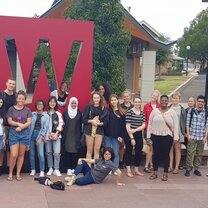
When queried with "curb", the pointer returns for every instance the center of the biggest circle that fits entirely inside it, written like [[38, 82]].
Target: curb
[[183, 85]]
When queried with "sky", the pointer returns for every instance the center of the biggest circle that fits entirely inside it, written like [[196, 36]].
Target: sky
[[168, 17]]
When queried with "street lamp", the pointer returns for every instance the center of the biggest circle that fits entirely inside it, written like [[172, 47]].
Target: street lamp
[[187, 49]]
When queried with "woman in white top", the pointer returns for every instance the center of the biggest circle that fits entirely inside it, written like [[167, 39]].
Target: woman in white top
[[162, 129]]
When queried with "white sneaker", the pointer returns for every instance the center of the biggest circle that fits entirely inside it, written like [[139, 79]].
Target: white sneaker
[[69, 172], [115, 174], [71, 180], [57, 173], [207, 174], [42, 174], [50, 172], [110, 173], [33, 172]]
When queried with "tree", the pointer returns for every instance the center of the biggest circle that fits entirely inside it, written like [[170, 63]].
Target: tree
[[196, 36], [111, 41], [163, 55]]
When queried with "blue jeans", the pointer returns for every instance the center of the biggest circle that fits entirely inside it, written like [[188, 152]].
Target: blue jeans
[[53, 148], [86, 170], [114, 144], [40, 150]]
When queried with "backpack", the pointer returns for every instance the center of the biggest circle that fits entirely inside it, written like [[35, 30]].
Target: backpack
[[194, 111]]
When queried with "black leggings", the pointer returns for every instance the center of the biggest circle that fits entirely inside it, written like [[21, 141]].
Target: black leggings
[[71, 160], [138, 149], [161, 150]]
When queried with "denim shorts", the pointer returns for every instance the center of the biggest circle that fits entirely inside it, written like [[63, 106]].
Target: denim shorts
[[19, 137]]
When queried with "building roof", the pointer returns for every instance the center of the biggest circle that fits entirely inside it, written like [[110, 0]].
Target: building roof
[[149, 32], [56, 4], [154, 40], [150, 28]]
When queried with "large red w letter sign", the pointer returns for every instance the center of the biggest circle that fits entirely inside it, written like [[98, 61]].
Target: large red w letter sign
[[60, 35]]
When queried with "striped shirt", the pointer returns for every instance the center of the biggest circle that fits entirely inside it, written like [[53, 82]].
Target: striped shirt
[[197, 129], [135, 120]]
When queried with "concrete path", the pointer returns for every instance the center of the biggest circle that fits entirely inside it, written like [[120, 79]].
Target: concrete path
[[178, 192], [195, 87]]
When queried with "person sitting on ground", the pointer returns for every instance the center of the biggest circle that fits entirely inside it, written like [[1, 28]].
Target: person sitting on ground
[[95, 175]]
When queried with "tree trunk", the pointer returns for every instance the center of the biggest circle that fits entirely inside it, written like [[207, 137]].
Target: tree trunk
[[159, 71]]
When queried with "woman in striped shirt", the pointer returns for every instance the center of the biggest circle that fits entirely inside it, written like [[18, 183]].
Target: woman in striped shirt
[[135, 123]]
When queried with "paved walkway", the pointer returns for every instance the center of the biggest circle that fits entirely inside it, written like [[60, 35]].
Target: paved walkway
[[178, 192], [195, 87]]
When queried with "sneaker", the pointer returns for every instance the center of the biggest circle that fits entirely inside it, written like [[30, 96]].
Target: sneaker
[[110, 173], [207, 174], [50, 172], [198, 173], [187, 173], [71, 180], [57, 173], [33, 172], [115, 173], [69, 172], [42, 174]]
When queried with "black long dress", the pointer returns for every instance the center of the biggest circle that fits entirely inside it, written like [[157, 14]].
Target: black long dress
[[72, 132]]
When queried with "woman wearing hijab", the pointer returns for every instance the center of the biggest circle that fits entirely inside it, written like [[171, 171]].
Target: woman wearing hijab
[[72, 134]]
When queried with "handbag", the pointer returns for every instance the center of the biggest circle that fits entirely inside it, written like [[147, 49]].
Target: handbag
[[146, 148]]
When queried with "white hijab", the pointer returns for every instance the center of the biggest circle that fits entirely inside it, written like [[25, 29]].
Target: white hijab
[[72, 112]]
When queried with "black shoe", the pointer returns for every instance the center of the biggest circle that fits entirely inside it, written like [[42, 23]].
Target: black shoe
[[198, 173], [0, 170], [187, 173]]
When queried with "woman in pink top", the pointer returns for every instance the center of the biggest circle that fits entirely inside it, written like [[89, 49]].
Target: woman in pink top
[[148, 108], [162, 129]]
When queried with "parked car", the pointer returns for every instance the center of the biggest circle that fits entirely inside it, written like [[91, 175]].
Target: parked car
[[191, 68]]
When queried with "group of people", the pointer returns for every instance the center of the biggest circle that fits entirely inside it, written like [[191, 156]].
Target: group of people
[[111, 131]]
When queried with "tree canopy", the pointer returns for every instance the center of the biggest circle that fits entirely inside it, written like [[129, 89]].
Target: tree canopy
[[111, 41], [196, 36], [163, 55]]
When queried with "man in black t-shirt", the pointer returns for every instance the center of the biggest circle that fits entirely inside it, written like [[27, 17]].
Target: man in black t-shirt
[[9, 100]]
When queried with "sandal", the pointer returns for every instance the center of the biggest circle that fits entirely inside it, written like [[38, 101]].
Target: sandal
[[10, 178], [147, 170], [164, 178], [175, 171], [129, 174], [170, 170], [153, 176], [18, 178], [138, 173]]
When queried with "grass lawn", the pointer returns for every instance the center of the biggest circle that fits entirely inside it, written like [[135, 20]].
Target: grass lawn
[[169, 83]]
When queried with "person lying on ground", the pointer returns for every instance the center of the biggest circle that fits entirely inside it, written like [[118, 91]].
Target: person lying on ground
[[96, 175]]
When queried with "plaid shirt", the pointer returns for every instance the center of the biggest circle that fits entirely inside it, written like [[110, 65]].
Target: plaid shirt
[[197, 129]]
